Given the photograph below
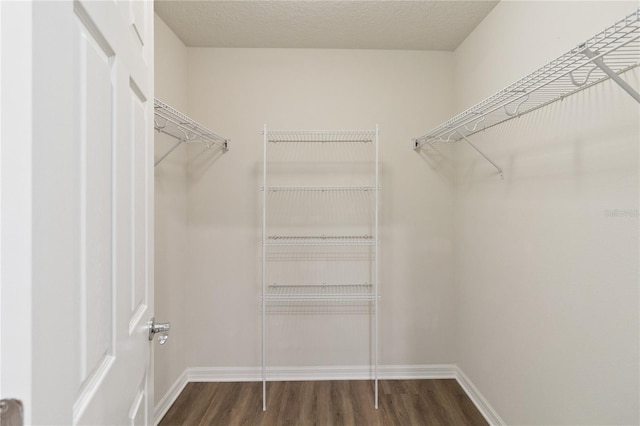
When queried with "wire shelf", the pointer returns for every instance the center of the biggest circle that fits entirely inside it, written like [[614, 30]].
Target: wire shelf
[[320, 240], [322, 188], [605, 55], [320, 293], [323, 136], [172, 122]]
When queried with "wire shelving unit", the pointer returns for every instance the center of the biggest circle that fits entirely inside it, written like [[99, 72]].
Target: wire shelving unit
[[307, 245], [172, 122], [605, 55]]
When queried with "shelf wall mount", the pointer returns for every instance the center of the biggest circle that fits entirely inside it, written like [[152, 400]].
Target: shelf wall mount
[[606, 55], [172, 122]]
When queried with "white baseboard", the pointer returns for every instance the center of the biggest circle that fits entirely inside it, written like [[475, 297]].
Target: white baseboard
[[385, 372], [170, 397], [408, 372], [355, 372], [490, 415]]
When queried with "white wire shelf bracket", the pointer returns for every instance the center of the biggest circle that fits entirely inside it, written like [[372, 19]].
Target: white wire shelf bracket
[[605, 55], [322, 188], [320, 292], [322, 136], [172, 122]]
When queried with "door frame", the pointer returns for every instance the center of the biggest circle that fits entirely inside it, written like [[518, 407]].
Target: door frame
[[16, 143]]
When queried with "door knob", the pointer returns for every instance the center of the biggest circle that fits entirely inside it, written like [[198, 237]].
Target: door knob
[[161, 329]]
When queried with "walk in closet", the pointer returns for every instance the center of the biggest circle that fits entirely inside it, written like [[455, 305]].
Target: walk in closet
[[486, 235]]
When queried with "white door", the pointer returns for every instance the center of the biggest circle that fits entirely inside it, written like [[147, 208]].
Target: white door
[[87, 233]]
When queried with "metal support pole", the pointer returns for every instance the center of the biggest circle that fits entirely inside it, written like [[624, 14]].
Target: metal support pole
[[264, 272], [180, 142], [375, 277], [612, 74], [481, 153]]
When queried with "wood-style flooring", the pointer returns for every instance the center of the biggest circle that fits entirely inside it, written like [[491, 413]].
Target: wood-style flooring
[[401, 402]]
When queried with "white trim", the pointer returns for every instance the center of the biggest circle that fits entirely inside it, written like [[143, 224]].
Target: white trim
[[408, 372], [490, 415], [90, 386], [16, 182], [170, 397], [356, 372], [224, 374]]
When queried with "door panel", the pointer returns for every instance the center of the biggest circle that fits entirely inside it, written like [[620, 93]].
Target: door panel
[[97, 114], [137, 415], [96, 93], [139, 131], [138, 20]]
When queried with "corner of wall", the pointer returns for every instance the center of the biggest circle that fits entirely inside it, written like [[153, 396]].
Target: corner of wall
[[171, 248]]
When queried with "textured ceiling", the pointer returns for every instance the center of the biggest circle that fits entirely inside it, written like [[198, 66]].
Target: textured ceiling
[[372, 24]]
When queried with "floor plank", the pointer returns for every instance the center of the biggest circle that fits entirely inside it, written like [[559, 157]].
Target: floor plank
[[324, 403]]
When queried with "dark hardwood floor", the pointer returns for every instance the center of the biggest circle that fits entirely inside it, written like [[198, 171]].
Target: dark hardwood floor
[[401, 402]]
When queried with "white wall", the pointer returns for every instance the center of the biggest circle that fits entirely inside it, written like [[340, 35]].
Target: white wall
[[546, 279], [171, 249], [236, 91]]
